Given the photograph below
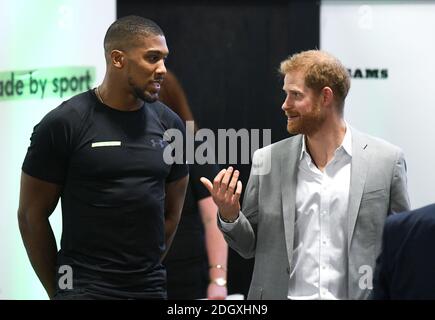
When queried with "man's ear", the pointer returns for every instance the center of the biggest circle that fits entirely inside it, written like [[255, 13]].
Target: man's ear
[[117, 58], [327, 96]]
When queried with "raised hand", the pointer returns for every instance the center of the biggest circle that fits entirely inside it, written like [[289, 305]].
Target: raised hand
[[225, 191]]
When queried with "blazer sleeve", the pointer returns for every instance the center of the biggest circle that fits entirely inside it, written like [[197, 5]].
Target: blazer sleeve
[[399, 199], [242, 237]]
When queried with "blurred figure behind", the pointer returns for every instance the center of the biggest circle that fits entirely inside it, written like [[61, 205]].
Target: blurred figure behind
[[196, 263]]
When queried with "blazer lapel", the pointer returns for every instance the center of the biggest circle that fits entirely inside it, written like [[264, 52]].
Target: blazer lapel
[[357, 180], [289, 171]]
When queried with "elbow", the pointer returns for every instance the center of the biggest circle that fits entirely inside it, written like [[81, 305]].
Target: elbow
[[247, 255], [249, 251], [245, 249], [23, 220]]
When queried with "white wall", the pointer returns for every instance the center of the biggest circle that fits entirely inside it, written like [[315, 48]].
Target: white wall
[[397, 36], [36, 35]]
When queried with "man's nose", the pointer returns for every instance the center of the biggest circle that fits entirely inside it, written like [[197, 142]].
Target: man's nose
[[286, 105], [161, 68]]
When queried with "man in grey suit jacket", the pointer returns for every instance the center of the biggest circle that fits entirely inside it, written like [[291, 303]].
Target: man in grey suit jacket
[[315, 203]]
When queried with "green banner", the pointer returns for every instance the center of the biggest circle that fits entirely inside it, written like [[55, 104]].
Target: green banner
[[58, 82]]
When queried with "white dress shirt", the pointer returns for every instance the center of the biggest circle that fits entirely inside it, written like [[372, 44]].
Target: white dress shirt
[[319, 263]]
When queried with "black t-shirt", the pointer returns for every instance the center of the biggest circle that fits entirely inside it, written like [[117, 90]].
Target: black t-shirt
[[110, 164]]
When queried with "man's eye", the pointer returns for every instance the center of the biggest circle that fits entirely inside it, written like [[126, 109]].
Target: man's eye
[[153, 58]]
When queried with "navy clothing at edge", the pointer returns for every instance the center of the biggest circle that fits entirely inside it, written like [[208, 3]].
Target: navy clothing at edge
[[111, 166], [405, 269]]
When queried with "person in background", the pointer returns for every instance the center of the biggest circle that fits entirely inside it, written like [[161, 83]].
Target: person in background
[[196, 264]]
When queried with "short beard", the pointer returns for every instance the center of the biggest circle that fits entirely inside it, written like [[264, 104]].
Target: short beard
[[145, 97], [138, 93], [309, 123]]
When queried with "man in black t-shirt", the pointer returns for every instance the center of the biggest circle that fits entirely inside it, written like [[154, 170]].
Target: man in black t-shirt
[[101, 153]]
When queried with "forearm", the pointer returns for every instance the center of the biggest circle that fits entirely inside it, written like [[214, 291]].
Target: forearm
[[171, 224], [216, 246], [41, 248], [175, 192], [241, 237], [217, 251]]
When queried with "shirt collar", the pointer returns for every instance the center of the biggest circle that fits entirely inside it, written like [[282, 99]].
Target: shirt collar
[[347, 141], [304, 149], [346, 144]]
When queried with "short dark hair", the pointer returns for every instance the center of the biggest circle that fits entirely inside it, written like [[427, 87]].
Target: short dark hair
[[124, 32]]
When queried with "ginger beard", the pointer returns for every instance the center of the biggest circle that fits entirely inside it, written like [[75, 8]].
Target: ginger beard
[[307, 123]]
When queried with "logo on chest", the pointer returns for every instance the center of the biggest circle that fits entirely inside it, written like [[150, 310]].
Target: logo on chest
[[158, 143]]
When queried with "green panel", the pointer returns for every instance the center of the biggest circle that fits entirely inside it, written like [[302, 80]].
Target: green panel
[[58, 82]]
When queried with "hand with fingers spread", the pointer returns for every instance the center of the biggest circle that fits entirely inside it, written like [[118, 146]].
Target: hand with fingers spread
[[225, 191]]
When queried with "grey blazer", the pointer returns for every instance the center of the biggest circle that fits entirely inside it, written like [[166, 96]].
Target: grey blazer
[[265, 229]]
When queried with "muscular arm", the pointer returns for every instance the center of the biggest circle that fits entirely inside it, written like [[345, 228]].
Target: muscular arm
[[38, 199], [217, 248], [175, 193]]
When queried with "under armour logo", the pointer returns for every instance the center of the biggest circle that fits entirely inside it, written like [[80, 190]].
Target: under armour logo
[[160, 143]]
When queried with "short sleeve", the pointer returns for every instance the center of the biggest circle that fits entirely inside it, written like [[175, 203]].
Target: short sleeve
[[50, 144]]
